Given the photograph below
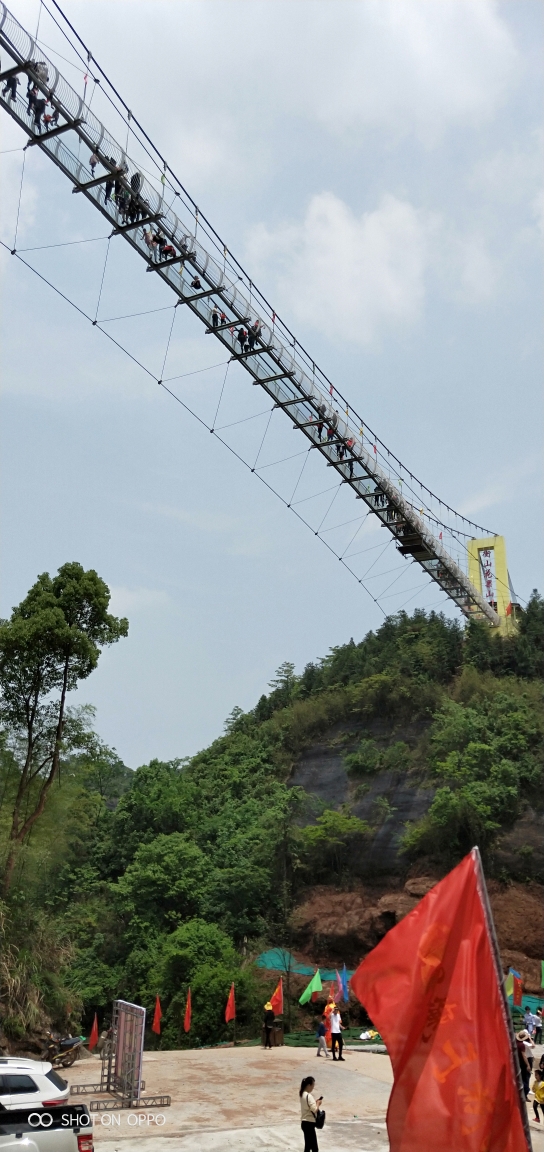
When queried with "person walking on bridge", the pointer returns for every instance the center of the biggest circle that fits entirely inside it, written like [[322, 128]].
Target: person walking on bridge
[[11, 87]]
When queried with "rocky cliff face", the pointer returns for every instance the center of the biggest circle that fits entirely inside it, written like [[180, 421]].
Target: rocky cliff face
[[390, 798], [332, 925]]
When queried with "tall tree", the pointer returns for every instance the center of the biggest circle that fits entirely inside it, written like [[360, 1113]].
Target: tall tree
[[52, 640]]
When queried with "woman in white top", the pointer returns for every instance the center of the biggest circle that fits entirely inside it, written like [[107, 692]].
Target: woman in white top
[[308, 1111]]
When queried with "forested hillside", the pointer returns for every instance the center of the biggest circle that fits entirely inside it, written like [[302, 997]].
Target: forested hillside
[[128, 884]]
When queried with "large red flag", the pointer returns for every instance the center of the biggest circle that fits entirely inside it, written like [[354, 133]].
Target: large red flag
[[157, 1017], [187, 1020], [230, 1010], [277, 999], [93, 1038], [433, 987]]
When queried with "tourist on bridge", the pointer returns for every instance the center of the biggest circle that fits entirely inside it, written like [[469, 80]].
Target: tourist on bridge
[[11, 87], [330, 434], [215, 316], [309, 1108], [251, 340], [150, 241], [32, 95], [39, 109], [93, 161], [350, 444], [161, 243], [196, 283], [241, 337], [322, 413]]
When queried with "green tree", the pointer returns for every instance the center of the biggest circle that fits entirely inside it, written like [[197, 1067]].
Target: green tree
[[51, 642]]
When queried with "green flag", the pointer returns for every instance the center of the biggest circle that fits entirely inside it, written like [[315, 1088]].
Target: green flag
[[509, 985], [315, 985]]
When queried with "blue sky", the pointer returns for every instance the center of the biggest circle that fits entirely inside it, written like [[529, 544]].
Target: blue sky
[[376, 166]]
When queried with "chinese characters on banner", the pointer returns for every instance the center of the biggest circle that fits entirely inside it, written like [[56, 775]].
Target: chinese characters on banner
[[487, 562]]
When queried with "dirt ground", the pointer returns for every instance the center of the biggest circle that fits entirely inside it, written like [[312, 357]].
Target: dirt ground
[[246, 1100]]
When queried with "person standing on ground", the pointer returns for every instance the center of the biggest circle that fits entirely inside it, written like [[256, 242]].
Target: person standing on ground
[[321, 1042], [538, 1029], [336, 1034], [538, 1089], [529, 1047], [528, 1020], [268, 1023], [523, 1061], [308, 1112]]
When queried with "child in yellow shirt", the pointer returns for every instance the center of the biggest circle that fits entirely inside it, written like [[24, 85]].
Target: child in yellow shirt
[[538, 1090]]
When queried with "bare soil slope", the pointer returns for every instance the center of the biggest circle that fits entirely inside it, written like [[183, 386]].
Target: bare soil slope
[[333, 926]]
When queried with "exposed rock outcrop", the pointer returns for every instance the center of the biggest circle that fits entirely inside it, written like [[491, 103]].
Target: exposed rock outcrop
[[333, 927]]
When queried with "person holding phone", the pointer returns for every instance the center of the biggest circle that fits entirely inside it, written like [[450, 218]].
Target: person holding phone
[[309, 1107]]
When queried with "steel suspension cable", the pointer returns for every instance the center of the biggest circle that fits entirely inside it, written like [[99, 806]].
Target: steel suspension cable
[[163, 385]]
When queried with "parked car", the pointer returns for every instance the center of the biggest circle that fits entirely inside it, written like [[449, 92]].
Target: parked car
[[65, 1128], [30, 1083]]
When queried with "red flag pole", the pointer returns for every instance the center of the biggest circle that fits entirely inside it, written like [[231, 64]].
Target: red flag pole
[[495, 951]]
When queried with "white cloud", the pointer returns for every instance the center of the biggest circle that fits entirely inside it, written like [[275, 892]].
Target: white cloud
[[510, 175], [412, 67], [347, 275], [127, 601], [464, 266], [236, 80], [204, 521]]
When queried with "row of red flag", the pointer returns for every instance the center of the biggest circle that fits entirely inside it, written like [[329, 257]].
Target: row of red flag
[[230, 1012]]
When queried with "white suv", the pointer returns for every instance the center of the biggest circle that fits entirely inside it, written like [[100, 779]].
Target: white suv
[[24, 1083]]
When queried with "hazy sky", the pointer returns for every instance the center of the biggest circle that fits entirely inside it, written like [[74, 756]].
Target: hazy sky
[[377, 168]]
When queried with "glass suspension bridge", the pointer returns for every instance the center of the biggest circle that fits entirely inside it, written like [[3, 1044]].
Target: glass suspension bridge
[[195, 265]]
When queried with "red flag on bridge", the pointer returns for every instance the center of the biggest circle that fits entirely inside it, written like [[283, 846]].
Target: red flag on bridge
[[187, 1020], [433, 987], [157, 1017], [277, 999], [93, 1038], [230, 1010]]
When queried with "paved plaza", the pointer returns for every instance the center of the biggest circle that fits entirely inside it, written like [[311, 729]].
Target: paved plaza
[[246, 1099]]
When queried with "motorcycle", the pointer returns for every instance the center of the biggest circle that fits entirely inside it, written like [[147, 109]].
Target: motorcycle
[[62, 1052]]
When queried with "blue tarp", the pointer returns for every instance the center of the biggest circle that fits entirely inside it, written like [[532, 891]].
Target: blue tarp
[[280, 960]]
